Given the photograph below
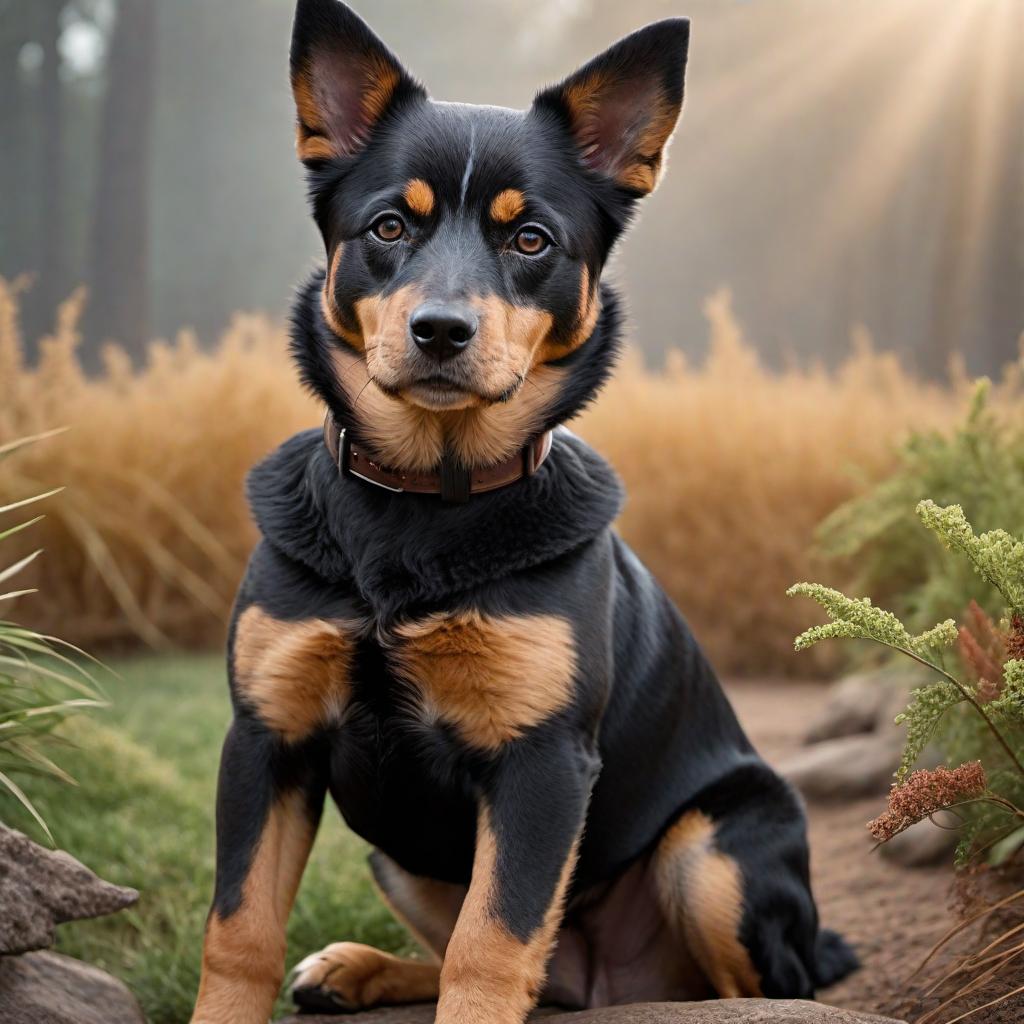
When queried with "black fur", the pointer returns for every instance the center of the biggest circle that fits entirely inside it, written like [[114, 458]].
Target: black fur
[[648, 734]]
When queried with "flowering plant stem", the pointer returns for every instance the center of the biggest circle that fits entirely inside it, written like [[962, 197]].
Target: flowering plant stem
[[970, 698]]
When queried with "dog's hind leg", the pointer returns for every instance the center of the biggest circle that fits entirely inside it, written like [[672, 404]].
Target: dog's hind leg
[[701, 893], [732, 874], [351, 976]]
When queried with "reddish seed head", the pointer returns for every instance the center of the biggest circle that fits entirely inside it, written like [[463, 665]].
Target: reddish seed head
[[924, 793]]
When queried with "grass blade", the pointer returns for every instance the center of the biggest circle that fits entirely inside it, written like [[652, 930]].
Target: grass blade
[[19, 795], [22, 442], [29, 501], [10, 531]]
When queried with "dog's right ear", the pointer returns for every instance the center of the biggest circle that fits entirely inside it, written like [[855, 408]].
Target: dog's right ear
[[344, 79]]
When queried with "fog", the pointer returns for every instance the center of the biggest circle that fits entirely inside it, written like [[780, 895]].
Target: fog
[[838, 163]]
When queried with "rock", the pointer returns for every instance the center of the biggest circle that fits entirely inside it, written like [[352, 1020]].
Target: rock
[[40, 889], [713, 1011], [862, 703], [851, 766], [47, 988], [924, 843]]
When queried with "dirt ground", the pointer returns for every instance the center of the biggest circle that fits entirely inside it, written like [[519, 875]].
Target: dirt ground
[[893, 915]]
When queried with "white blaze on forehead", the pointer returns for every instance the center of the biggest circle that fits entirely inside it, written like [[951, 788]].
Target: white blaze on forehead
[[469, 164]]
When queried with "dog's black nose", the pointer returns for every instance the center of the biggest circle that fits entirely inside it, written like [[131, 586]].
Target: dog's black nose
[[442, 329]]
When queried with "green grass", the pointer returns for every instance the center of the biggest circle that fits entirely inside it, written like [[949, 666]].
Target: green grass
[[142, 815]]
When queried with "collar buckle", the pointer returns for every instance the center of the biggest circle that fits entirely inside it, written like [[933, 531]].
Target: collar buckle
[[345, 465]]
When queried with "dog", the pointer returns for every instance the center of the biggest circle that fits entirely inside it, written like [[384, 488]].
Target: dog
[[439, 626]]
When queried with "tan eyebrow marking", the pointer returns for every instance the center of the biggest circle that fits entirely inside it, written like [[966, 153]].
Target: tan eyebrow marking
[[507, 205], [420, 197]]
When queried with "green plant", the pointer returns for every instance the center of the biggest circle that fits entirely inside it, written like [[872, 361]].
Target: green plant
[[978, 466], [977, 722], [997, 716], [40, 684]]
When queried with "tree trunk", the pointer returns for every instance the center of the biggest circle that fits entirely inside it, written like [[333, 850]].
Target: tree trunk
[[39, 205], [119, 256]]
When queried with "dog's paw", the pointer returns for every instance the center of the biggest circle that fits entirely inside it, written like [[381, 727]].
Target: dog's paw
[[346, 976]]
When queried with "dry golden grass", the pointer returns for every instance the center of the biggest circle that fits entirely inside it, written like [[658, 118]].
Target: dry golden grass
[[150, 538], [729, 469]]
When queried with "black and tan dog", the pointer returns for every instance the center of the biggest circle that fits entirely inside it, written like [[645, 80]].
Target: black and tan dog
[[440, 627]]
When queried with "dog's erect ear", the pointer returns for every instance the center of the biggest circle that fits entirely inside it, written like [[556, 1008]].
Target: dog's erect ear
[[344, 80], [622, 106]]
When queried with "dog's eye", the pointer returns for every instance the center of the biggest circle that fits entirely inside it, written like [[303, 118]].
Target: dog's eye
[[389, 228], [531, 241]]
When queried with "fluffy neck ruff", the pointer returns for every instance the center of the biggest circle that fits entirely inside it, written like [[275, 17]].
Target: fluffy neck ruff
[[398, 551], [404, 436]]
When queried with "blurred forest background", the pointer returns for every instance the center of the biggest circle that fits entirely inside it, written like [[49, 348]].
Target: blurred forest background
[[837, 250], [838, 162]]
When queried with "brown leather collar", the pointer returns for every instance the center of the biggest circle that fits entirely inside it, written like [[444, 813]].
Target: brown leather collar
[[451, 480]]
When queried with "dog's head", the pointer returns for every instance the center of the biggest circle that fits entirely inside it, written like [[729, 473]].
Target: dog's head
[[461, 305]]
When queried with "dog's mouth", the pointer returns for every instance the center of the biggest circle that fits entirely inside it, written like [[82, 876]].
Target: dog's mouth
[[439, 393]]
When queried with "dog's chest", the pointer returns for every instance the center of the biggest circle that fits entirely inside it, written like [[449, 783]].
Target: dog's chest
[[483, 679], [405, 712]]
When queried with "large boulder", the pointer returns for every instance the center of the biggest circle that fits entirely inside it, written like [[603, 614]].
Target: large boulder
[[713, 1011], [47, 988], [40, 889]]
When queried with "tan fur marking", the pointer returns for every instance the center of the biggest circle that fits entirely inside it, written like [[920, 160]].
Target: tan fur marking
[[243, 955], [401, 435], [295, 674], [313, 147], [490, 678], [589, 310], [311, 140], [489, 976], [489, 434], [701, 890], [384, 80], [320, 134], [644, 174], [329, 306], [507, 205], [641, 167], [363, 977], [508, 341], [406, 436], [419, 197]]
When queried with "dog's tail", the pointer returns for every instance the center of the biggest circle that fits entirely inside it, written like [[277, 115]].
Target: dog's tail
[[835, 958]]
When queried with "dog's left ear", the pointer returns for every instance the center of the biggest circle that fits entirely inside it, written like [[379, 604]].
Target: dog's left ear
[[622, 106]]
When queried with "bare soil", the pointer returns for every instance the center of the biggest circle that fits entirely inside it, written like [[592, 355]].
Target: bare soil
[[893, 915]]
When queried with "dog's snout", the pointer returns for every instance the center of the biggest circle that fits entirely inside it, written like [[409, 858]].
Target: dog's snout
[[443, 329]]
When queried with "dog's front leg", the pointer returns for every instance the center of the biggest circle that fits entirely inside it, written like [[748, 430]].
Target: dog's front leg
[[532, 808], [269, 799]]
